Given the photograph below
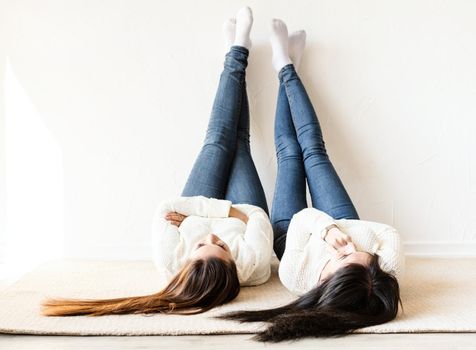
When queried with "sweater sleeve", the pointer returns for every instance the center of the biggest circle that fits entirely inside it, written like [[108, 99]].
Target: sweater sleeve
[[308, 221], [390, 251], [198, 206], [259, 238], [167, 246], [301, 262]]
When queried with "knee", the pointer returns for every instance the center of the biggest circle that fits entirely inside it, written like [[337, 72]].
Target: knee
[[219, 134], [243, 139], [311, 140], [219, 138], [316, 152], [287, 147]]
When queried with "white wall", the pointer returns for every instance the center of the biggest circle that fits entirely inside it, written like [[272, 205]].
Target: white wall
[[110, 99], [2, 137]]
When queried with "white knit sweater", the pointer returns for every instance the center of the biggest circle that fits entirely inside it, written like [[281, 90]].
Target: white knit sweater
[[306, 255], [251, 244]]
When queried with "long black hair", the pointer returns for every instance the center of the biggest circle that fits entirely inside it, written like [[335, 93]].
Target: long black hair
[[355, 296]]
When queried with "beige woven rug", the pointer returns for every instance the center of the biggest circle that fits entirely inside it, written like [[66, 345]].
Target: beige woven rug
[[439, 295]]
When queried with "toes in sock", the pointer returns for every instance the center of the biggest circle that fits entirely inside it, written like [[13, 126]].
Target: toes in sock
[[279, 44], [244, 21]]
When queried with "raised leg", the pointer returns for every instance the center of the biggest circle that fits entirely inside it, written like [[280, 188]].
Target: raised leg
[[290, 190], [244, 185], [209, 175], [327, 190]]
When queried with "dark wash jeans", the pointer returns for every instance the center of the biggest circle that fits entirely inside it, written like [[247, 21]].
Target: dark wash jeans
[[224, 168], [302, 155]]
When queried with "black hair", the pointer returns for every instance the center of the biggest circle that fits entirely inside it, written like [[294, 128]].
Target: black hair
[[353, 297]]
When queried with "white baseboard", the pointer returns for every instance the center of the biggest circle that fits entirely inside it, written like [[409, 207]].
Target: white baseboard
[[440, 249], [411, 248], [143, 252]]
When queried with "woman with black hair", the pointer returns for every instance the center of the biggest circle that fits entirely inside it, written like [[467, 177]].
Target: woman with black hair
[[343, 269]]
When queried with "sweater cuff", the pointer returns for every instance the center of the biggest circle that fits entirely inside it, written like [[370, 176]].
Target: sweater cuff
[[219, 208]]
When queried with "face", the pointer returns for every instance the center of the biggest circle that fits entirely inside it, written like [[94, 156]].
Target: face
[[344, 257], [211, 246]]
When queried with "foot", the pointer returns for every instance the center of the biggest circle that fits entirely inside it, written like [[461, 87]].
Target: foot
[[296, 42], [229, 29], [244, 21], [279, 43]]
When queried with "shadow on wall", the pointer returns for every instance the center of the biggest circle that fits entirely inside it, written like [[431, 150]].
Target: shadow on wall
[[33, 182]]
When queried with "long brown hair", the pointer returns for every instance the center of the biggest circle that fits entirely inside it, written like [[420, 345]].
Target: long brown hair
[[199, 286], [355, 296]]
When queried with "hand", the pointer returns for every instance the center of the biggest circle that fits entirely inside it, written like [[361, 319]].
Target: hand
[[175, 218], [337, 239], [235, 213], [349, 248]]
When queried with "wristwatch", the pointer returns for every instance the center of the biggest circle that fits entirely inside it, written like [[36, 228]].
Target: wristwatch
[[326, 229]]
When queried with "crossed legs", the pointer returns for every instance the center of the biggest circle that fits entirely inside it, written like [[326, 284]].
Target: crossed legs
[[301, 155], [224, 168]]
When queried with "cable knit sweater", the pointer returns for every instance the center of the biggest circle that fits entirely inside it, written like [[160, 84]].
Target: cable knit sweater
[[251, 244], [306, 255]]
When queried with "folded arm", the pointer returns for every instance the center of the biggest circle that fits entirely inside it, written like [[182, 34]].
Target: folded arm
[[307, 222], [258, 240], [198, 206], [166, 246]]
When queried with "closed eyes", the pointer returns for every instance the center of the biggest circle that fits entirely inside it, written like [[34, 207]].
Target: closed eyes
[[222, 246], [344, 256]]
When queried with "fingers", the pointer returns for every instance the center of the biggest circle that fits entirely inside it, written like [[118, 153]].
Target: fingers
[[341, 247], [332, 250], [338, 243], [349, 248], [342, 240], [173, 216]]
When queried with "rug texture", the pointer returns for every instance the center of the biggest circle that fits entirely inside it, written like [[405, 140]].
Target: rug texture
[[439, 295]]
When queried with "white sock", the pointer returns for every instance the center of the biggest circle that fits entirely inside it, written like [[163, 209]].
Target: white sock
[[244, 21], [229, 28], [279, 44], [297, 41]]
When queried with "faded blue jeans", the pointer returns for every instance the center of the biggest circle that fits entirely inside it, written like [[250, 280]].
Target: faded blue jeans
[[224, 168], [302, 155]]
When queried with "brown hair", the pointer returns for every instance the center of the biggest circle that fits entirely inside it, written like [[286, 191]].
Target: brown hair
[[198, 287]]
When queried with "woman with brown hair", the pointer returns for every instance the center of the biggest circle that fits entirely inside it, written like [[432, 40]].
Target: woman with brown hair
[[203, 245]]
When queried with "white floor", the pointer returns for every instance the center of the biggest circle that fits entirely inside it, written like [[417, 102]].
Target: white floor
[[454, 341]]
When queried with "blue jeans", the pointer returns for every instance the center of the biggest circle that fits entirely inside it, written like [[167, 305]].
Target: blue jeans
[[302, 155], [224, 168]]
